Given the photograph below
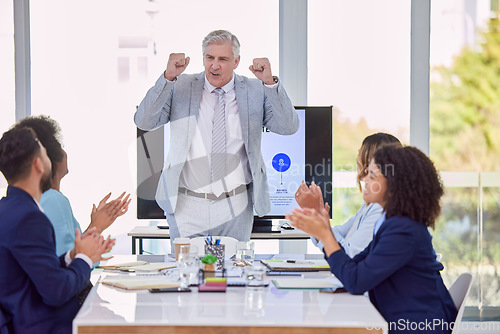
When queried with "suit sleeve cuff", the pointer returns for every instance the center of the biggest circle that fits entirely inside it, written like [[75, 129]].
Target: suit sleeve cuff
[[84, 258], [276, 80], [67, 258], [165, 80]]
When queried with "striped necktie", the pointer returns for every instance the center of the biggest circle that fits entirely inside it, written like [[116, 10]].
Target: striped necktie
[[218, 163]]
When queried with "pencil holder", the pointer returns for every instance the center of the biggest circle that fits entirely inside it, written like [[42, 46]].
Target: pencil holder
[[219, 251]]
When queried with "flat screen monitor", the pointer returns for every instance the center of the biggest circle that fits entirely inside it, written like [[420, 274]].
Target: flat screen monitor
[[306, 155]]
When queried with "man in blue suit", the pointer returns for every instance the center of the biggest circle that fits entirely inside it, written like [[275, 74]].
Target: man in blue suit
[[38, 290], [214, 174]]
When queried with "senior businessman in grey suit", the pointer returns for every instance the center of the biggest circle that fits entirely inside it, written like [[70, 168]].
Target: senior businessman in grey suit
[[214, 172]]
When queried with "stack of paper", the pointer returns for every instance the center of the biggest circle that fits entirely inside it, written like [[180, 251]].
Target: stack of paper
[[307, 283], [296, 265], [139, 283], [140, 266]]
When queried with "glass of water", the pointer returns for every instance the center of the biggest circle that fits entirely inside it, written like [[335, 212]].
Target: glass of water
[[255, 276], [188, 265], [245, 252]]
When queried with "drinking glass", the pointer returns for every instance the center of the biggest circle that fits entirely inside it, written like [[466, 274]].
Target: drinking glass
[[188, 265], [245, 252], [255, 276]]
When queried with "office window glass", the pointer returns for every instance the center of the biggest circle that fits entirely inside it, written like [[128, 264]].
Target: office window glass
[[464, 142], [92, 63], [359, 62], [7, 80]]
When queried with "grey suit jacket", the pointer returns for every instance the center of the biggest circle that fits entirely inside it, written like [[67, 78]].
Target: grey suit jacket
[[178, 102]]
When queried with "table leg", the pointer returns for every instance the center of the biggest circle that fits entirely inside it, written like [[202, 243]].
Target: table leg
[[133, 245], [140, 245]]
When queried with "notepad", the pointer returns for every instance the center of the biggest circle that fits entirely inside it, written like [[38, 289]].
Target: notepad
[[307, 283], [140, 266], [296, 265], [139, 283], [152, 267], [123, 265]]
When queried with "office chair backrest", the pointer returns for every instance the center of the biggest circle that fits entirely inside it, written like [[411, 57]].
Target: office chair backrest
[[458, 292], [228, 242]]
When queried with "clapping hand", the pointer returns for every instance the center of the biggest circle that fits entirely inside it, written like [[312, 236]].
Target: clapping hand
[[105, 213], [310, 197], [92, 244], [311, 221]]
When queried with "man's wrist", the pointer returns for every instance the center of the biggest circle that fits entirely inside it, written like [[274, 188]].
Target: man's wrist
[[273, 81], [168, 79], [85, 258]]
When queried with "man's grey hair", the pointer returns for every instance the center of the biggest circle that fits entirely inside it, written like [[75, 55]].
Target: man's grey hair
[[221, 36]]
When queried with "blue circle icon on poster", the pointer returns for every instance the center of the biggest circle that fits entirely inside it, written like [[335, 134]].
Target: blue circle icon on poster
[[281, 162]]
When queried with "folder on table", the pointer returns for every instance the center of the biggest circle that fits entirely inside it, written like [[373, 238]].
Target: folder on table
[[140, 266], [139, 283], [296, 265], [307, 283]]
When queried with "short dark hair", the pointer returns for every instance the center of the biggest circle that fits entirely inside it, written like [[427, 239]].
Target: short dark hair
[[369, 146], [414, 187], [48, 132], [18, 148]]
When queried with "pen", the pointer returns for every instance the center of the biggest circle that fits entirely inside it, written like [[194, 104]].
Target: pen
[[211, 243], [300, 261]]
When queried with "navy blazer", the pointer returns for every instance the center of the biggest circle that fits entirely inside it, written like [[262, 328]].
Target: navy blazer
[[400, 271], [36, 288]]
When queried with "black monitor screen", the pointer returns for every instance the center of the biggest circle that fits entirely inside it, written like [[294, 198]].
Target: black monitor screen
[[306, 155]]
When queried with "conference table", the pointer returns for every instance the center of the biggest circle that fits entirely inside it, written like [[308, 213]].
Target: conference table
[[239, 310]]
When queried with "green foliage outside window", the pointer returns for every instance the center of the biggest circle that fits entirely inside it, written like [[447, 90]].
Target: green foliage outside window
[[465, 136]]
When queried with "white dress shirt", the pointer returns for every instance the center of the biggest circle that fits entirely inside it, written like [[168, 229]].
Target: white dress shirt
[[196, 172]]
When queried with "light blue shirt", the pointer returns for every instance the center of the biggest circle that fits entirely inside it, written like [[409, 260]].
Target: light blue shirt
[[362, 234], [57, 208], [378, 223]]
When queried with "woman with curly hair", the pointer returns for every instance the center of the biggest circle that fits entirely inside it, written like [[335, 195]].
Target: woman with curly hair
[[398, 268], [357, 232]]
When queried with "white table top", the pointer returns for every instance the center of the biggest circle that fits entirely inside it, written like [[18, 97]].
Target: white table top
[[270, 307]]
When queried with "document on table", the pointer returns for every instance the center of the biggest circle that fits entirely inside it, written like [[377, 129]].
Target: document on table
[[296, 265], [308, 283], [139, 282], [123, 265], [140, 266]]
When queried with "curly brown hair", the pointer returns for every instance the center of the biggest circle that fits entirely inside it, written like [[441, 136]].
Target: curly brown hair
[[414, 187], [368, 147], [48, 132]]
